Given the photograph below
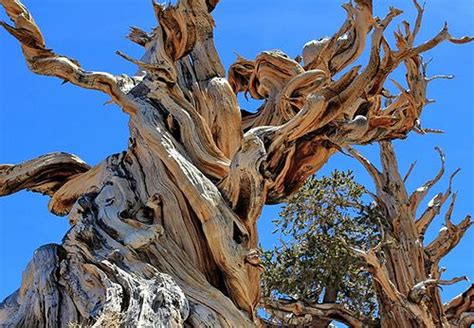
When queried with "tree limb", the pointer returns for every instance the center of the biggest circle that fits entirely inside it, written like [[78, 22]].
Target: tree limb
[[330, 311], [379, 274], [443, 35], [44, 61], [460, 310], [139, 36], [448, 238], [433, 208], [419, 194], [370, 168], [335, 53], [410, 169], [45, 174], [348, 111], [419, 291]]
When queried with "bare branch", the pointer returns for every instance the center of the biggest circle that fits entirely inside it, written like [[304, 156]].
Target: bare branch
[[44, 61], [139, 36], [447, 239], [449, 212], [443, 35], [335, 53], [436, 77], [153, 69], [419, 17], [371, 169], [410, 169], [45, 174], [419, 291], [330, 311], [460, 310], [433, 208], [452, 281], [379, 274], [419, 194]]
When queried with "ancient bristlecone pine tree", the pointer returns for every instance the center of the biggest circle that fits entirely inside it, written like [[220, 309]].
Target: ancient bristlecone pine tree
[[405, 271], [164, 233]]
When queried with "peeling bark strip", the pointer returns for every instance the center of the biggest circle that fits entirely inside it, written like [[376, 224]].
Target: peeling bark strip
[[164, 234]]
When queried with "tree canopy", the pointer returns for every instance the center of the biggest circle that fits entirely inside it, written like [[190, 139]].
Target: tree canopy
[[313, 263]]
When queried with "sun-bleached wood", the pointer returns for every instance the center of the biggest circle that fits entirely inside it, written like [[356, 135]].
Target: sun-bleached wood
[[164, 234], [406, 271]]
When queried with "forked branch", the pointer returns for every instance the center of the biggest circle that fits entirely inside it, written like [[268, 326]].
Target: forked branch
[[449, 236], [433, 208], [419, 194]]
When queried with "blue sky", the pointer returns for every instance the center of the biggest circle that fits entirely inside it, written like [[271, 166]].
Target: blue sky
[[39, 115]]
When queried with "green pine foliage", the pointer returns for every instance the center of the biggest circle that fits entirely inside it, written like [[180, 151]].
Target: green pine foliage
[[312, 262]]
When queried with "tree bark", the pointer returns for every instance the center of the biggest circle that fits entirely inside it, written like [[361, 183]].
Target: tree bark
[[164, 234]]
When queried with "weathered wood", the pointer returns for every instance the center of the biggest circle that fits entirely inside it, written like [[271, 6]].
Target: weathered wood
[[406, 273], [45, 174], [328, 311], [164, 234], [460, 310]]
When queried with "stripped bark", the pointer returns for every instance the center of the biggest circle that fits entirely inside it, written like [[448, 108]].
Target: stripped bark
[[164, 234]]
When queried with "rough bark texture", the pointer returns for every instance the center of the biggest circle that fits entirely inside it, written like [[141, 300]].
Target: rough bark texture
[[164, 234], [406, 272]]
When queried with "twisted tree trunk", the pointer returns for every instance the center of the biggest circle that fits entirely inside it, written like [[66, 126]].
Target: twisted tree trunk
[[164, 234], [406, 272]]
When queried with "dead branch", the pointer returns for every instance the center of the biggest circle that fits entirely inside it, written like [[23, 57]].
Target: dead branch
[[448, 238], [460, 310], [419, 194], [44, 61], [433, 208], [331, 311], [45, 174]]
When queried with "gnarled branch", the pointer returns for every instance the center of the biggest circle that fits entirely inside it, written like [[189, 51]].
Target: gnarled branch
[[44, 61], [419, 194], [348, 111], [419, 290], [460, 310], [331, 311], [369, 167], [45, 174], [448, 237], [433, 208]]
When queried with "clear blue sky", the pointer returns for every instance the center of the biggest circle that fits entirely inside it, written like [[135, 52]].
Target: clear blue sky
[[39, 115]]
